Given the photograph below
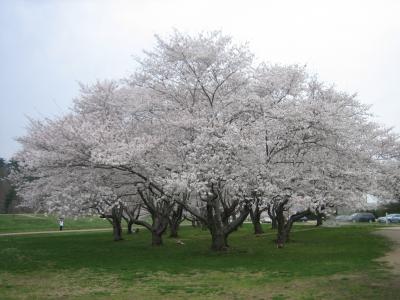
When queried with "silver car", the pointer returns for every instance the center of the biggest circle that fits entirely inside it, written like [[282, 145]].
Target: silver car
[[343, 218], [391, 218]]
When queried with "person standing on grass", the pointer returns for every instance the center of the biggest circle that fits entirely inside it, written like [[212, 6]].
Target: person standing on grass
[[61, 223]]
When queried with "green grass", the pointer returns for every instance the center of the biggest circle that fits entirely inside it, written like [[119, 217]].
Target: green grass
[[323, 263], [37, 222]]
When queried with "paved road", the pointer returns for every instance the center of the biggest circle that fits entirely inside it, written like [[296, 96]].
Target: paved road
[[105, 229], [392, 257], [53, 231]]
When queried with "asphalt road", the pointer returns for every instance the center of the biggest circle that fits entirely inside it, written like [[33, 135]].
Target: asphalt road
[[53, 231]]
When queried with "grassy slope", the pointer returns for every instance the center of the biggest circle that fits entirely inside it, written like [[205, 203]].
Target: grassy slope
[[330, 263], [32, 222]]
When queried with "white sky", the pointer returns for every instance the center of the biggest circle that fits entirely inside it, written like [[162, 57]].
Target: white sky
[[46, 46]]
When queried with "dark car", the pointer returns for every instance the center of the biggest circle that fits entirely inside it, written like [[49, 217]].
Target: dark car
[[362, 217]]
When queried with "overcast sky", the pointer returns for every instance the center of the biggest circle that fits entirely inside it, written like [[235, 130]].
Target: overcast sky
[[47, 46]]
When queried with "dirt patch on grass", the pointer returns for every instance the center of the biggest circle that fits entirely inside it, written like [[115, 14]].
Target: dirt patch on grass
[[264, 285], [56, 285], [392, 258], [240, 284]]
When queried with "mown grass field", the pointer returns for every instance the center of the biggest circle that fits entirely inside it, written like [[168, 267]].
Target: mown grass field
[[323, 263]]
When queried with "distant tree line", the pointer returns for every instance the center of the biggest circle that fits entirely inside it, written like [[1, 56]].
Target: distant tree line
[[8, 194]]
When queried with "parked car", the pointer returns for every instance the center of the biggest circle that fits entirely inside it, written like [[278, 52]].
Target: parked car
[[391, 218], [302, 219], [343, 218], [382, 219], [394, 218], [266, 220], [362, 217]]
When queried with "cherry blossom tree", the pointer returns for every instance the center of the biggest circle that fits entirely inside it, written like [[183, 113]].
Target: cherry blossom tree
[[198, 125], [200, 83]]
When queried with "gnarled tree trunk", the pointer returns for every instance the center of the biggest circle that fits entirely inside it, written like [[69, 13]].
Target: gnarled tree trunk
[[216, 225], [115, 219], [159, 226], [130, 224], [175, 219], [319, 218], [117, 231], [219, 241], [159, 209], [257, 227], [285, 226], [272, 215], [173, 230], [156, 238], [255, 219], [274, 224], [216, 218], [130, 214], [281, 235], [255, 216]]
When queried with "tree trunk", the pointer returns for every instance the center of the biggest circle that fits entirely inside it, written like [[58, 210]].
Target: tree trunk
[[219, 242], [280, 241], [173, 227], [285, 226], [116, 214], [258, 228], [220, 231], [255, 219], [215, 219], [319, 219], [272, 216], [132, 213], [117, 231], [281, 236], [274, 223], [156, 238], [216, 226], [159, 226], [130, 223], [288, 229], [174, 220]]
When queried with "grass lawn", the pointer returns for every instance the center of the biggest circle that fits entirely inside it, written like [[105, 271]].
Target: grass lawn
[[323, 263], [37, 222]]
